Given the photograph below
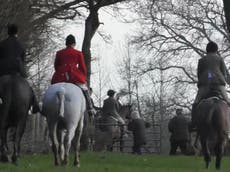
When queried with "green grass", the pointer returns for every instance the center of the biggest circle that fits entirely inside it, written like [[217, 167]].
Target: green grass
[[115, 162]]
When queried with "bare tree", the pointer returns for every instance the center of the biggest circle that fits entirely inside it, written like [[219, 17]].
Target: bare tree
[[178, 31], [227, 13]]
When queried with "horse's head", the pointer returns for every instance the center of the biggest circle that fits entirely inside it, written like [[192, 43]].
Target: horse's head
[[125, 111]]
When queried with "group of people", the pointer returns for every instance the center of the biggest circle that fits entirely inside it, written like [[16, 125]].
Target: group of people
[[70, 67]]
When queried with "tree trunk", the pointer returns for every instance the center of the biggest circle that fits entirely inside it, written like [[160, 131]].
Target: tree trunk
[[91, 26], [227, 13]]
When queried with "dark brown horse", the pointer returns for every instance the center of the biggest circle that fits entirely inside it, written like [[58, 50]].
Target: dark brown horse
[[213, 126], [17, 98]]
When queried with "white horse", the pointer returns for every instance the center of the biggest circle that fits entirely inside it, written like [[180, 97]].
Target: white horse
[[64, 106]]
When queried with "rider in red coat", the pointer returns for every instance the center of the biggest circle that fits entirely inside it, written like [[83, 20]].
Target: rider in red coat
[[70, 67]]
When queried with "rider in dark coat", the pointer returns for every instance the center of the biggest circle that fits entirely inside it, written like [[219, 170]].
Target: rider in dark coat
[[12, 59], [179, 127], [111, 107], [212, 73], [12, 54]]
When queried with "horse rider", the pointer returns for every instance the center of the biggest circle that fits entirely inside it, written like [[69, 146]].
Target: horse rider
[[212, 74], [70, 67], [111, 107], [178, 126], [12, 58]]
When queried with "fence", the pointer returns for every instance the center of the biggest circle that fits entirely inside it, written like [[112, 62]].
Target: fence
[[153, 142]]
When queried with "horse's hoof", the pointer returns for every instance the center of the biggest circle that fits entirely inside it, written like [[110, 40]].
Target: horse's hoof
[[4, 159], [76, 164], [56, 163], [64, 162], [15, 163]]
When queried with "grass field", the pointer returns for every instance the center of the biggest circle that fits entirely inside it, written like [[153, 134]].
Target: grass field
[[115, 162]]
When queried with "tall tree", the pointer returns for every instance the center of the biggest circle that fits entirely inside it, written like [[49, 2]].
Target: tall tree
[[181, 41], [227, 13]]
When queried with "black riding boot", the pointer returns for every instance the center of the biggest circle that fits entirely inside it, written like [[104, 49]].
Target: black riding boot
[[89, 104], [193, 122], [34, 103]]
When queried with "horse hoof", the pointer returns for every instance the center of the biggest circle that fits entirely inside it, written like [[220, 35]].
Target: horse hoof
[[76, 164], [64, 162], [4, 159], [56, 163], [14, 161]]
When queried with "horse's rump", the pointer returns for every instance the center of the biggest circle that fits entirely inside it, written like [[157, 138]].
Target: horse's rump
[[213, 115], [16, 96], [73, 102], [213, 128]]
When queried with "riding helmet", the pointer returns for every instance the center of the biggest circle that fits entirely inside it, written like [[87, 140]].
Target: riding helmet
[[111, 93]]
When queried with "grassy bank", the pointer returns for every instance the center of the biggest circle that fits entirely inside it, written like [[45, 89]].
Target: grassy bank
[[114, 162]]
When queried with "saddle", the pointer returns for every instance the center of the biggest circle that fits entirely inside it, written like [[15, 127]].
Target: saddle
[[214, 94], [104, 122]]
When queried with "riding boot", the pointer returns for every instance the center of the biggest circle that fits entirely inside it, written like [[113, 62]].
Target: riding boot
[[193, 121], [35, 104], [89, 104]]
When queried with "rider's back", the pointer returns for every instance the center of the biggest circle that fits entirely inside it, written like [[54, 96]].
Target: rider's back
[[110, 106], [211, 70], [11, 56]]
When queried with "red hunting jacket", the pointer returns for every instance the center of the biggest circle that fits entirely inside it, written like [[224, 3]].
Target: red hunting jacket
[[69, 67]]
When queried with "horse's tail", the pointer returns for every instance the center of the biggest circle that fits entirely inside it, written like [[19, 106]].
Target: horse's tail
[[61, 98]]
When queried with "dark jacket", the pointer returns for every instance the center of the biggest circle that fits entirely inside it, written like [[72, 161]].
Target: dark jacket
[[179, 127], [110, 107], [212, 70], [12, 56], [137, 126]]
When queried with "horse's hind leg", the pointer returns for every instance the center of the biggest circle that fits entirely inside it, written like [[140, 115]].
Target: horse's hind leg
[[61, 150], [4, 148], [78, 133], [219, 151], [17, 136], [206, 152], [3, 132], [53, 137], [67, 144]]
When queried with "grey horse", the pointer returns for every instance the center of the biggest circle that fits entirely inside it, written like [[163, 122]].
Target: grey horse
[[64, 107]]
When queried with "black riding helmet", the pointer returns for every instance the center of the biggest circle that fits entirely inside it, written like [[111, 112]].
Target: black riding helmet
[[111, 93]]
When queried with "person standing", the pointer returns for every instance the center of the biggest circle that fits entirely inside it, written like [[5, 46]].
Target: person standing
[[137, 126], [178, 126], [70, 67]]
